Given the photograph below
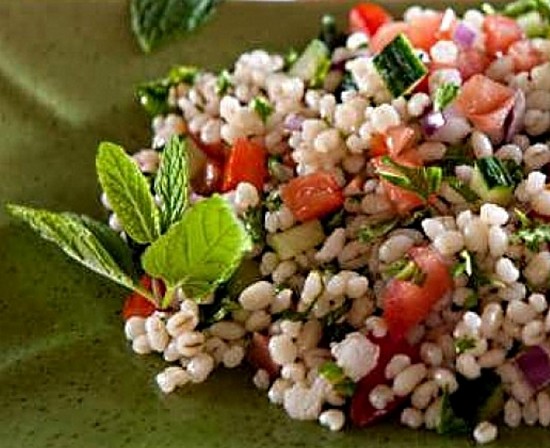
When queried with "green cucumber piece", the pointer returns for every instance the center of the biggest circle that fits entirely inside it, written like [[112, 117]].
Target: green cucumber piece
[[492, 182], [296, 240], [313, 64], [399, 66]]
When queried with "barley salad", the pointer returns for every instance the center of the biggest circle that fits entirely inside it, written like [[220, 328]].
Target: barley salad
[[365, 222]]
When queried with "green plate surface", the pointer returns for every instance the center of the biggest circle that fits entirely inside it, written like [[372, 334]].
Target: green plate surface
[[67, 376]]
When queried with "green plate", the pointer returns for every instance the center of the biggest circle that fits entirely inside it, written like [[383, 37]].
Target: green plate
[[67, 376]]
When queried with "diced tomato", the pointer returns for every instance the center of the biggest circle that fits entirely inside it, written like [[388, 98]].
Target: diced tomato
[[472, 61], [406, 304], [399, 138], [378, 145], [312, 196], [424, 30], [424, 85], [209, 179], [403, 200], [486, 104], [137, 305], [246, 163], [386, 34], [258, 355], [215, 150], [525, 56], [368, 18], [362, 413], [500, 33]]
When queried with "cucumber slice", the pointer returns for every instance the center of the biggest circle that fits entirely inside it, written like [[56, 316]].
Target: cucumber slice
[[313, 64], [492, 182], [296, 240], [399, 66]]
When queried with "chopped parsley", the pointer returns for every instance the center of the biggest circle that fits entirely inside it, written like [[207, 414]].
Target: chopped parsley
[[464, 344], [369, 233], [445, 95], [532, 233], [262, 107], [223, 83], [334, 374]]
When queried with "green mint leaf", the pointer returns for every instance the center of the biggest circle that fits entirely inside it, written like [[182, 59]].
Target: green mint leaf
[[464, 344], [200, 251], [156, 21], [172, 181], [223, 83], [445, 94], [262, 107], [111, 241], [73, 236], [128, 193], [372, 232], [153, 95], [449, 422]]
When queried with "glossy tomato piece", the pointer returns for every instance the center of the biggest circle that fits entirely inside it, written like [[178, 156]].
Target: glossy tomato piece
[[423, 30], [398, 139], [525, 55], [368, 18], [500, 33], [312, 196], [362, 413], [472, 61], [486, 103], [406, 304], [258, 355], [386, 34], [247, 162], [137, 305]]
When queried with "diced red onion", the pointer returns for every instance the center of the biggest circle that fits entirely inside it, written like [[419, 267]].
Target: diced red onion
[[293, 122], [535, 366], [464, 36], [432, 122], [514, 121]]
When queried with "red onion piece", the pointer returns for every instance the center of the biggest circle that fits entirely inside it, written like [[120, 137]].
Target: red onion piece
[[432, 122], [514, 121], [535, 366], [464, 36], [293, 122]]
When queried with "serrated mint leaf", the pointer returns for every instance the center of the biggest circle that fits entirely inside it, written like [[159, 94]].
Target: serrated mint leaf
[[75, 239], [200, 251], [172, 182], [155, 21], [111, 241], [128, 193]]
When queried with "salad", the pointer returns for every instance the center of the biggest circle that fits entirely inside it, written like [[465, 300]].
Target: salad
[[365, 222]]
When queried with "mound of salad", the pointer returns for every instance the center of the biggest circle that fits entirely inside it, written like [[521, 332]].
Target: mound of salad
[[365, 221]]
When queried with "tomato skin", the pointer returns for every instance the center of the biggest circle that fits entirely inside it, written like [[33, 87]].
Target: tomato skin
[[247, 162], [424, 30], [500, 32], [368, 18], [525, 56], [386, 34], [312, 196], [137, 305], [472, 61], [407, 304], [216, 151], [362, 413]]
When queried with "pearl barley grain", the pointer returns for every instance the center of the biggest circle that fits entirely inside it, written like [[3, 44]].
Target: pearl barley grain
[[485, 432], [333, 419]]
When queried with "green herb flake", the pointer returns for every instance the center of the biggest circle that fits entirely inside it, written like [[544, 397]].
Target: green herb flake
[[273, 201], [253, 220], [369, 233], [156, 21], [534, 237], [464, 344], [471, 301], [291, 57], [262, 107], [462, 189], [223, 83], [423, 181], [445, 94], [128, 193], [199, 252]]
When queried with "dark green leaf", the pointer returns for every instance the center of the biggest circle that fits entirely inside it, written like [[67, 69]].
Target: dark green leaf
[[449, 423], [253, 220], [172, 182], [128, 192], [155, 21], [462, 189], [330, 34], [273, 201], [72, 236], [445, 95], [372, 232], [153, 95]]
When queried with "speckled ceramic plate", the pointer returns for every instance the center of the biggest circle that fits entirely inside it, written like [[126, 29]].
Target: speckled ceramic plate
[[67, 377]]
